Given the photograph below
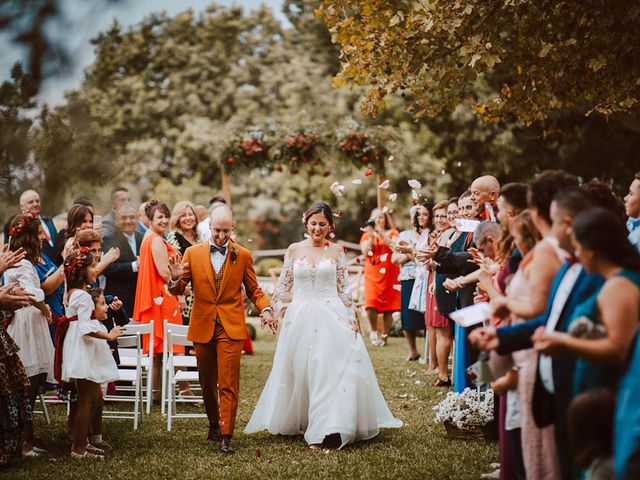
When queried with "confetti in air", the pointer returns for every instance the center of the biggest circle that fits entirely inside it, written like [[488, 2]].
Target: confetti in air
[[368, 173], [393, 197], [356, 181], [158, 300], [384, 185], [391, 158], [337, 189], [414, 195], [413, 183], [383, 257], [383, 270]]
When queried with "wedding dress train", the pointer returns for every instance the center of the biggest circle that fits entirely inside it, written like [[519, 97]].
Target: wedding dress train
[[322, 381]]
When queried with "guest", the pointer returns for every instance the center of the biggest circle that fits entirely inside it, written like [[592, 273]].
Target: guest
[[484, 193], [30, 202], [79, 217], [600, 193], [143, 221], [122, 275], [15, 409], [451, 257], [601, 245], [380, 274], [119, 195], [86, 357], [204, 232], [440, 324], [52, 283], [184, 234], [30, 325], [591, 433], [570, 287], [632, 209], [201, 212], [404, 257], [153, 301]]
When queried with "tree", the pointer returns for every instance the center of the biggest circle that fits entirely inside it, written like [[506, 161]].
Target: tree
[[550, 56]]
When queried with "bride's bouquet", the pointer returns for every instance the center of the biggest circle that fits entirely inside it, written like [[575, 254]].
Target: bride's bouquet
[[466, 410]]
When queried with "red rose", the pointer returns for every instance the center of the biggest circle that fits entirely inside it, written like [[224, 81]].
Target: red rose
[[368, 173]]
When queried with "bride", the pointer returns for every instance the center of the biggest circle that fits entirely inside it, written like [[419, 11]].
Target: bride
[[322, 382]]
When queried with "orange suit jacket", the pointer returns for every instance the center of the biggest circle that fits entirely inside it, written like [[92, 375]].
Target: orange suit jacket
[[228, 303]]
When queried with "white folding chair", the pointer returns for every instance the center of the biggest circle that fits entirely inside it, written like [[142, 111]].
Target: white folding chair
[[184, 361], [175, 377], [128, 358], [129, 375]]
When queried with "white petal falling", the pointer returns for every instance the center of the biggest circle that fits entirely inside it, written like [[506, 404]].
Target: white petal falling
[[384, 185], [413, 183], [383, 270], [393, 197], [414, 195], [356, 181], [337, 189], [383, 257], [158, 300], [397, 287]]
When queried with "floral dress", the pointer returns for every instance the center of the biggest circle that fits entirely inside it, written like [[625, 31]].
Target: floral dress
[[15, 409]]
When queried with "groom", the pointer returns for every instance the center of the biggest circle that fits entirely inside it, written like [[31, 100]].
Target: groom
[[217, 269]]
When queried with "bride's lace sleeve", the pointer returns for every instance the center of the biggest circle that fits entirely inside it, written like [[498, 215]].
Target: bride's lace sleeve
[[344, 289], [282, 290]]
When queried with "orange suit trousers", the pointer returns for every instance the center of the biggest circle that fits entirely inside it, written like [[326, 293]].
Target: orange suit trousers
[[219, 373]]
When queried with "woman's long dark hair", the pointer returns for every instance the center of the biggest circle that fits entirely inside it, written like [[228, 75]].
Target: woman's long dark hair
[[600, 230], [75, 218]]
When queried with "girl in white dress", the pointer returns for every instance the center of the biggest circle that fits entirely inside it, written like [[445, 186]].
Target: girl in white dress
[[322, 381], [86, 356], [30, 325]]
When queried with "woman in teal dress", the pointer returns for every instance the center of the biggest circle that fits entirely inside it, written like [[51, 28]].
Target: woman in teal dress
[[603, 337]]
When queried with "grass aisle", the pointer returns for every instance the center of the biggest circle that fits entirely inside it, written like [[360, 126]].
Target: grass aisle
[[419, 450]]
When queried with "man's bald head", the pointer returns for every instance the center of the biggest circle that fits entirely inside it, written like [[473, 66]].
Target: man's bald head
[[485, 189], [221, 224], [30, 201]]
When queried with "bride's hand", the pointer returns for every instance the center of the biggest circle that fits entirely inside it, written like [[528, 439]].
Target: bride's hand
[[355, 326], [268, 320]]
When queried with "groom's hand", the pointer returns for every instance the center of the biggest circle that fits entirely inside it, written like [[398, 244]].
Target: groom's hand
[[176, 269], [268, 320]]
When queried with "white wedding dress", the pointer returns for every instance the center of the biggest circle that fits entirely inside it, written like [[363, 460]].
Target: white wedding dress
[[322, 381]]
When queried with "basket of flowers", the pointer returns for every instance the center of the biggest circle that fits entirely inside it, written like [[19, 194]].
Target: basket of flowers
[[468, 415]]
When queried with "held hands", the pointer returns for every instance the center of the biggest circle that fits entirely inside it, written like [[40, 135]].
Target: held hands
[[115, 333], [548, 343], [10, 259], [452, 284], [13, 297], [176, 269], [484, 338], [268, 320]]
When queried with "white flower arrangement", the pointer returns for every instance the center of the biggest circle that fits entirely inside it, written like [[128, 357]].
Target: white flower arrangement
[[467, 409]]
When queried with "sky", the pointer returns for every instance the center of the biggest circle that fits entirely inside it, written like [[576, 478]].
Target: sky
[[85, 20]]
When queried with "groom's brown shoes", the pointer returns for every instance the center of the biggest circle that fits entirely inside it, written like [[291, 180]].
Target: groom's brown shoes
[[225, 445], [214, 434]]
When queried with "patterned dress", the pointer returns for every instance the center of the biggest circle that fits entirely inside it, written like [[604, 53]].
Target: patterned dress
[[180, 243], [15, 409]]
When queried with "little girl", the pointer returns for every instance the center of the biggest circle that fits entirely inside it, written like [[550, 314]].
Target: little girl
[[86, 356]]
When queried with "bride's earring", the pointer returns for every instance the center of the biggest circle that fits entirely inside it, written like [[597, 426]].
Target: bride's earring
[[332, 233]]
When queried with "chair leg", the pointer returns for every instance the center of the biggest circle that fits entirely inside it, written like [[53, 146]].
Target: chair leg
[[136, 404], [169, 408], [163, 393], [149, 389], [45, 411]]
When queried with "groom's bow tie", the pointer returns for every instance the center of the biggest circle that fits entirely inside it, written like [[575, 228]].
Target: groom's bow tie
[[215, 248]]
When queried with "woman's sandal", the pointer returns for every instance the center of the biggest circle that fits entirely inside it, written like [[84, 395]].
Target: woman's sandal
[[442, 383], [383, 339], [93, 449]]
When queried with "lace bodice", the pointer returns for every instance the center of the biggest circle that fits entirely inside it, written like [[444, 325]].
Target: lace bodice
[[302, 280]]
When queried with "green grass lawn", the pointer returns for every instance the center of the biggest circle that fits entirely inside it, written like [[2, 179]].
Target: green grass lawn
[[418, 450]]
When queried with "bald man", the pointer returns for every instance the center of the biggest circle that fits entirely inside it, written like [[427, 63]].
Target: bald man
[[484, 193], [30, 202], [218, 269]]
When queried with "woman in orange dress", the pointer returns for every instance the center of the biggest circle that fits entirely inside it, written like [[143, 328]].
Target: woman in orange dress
[[381, 285], [153, 300]]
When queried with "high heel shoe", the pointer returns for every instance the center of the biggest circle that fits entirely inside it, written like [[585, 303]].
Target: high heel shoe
[[442, 383], [383, 339], [87, 454]]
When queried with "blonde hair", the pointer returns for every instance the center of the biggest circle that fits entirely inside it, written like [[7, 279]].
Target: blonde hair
[[178, 212]]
